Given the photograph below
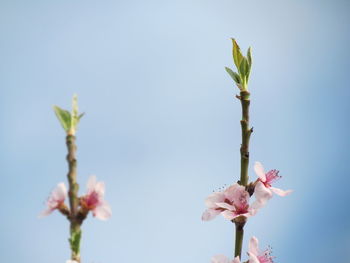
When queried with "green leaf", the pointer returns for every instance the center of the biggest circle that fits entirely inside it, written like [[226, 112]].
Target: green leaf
[[75, 241], [74, 113], [237, 54], [250, 61], [233, 75], [64, 117], [244, 68], [249, 56]]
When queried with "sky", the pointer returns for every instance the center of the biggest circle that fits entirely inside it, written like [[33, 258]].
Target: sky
[[162, 129]]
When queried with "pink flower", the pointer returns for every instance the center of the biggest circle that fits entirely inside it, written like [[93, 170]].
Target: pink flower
[[263, 189], [93, 200], [224, 259], [55, 200], [255, 256], [231, 203], [71, 261]]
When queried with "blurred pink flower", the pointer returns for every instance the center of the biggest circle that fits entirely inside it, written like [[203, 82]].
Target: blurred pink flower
[[55, 200], [71, 261], [263, 189], [94, 199], [231, 203], [255, 256], [224, 259]]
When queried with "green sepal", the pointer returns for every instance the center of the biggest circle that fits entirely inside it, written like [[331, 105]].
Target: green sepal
[[64, 117], [74, 241], [234, 75]]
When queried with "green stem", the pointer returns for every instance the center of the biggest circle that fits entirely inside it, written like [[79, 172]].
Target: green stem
[[239, 240], [244, 150], [75, 223], [246, 132]]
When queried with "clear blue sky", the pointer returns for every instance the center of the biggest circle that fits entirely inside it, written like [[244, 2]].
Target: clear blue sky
[[162, 125]]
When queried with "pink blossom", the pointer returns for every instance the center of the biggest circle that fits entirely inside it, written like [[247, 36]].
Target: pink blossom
[[255, 256], [231, 203], [55, 200], [224, 259], [94, 199], [263, 189], [71, 261]]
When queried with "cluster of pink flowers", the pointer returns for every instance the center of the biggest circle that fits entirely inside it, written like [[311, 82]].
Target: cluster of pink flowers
[[233, 202], [93, 200], [255, 255]]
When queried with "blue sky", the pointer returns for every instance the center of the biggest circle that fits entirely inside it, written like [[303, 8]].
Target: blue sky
[[162, 126]]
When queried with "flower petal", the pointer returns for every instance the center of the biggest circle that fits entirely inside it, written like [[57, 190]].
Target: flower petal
[[262, 193], [259, 170], [103, 211], [253, 258], [91, 183], [254, 246], [46, 212], [59, 193], [100, 188], [280, 192], [214, 198], [254, 208], [226, 206], [230, 215], [236, 260], [233, 192], [210, 214], [220, 259]]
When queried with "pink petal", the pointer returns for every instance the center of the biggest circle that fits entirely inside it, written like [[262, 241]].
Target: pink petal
[[103, 211], [238, 195], [44, 213], [233, 192], [220, 259], [56, 198], [59, 193], [226, 206], [262, 193], [236, 260], [253, 258], [210, 214], [229, 215], [254, 208], [259, 170], [280, 192], [212, 199], [91, 183], [254, 246], [100, 188]]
